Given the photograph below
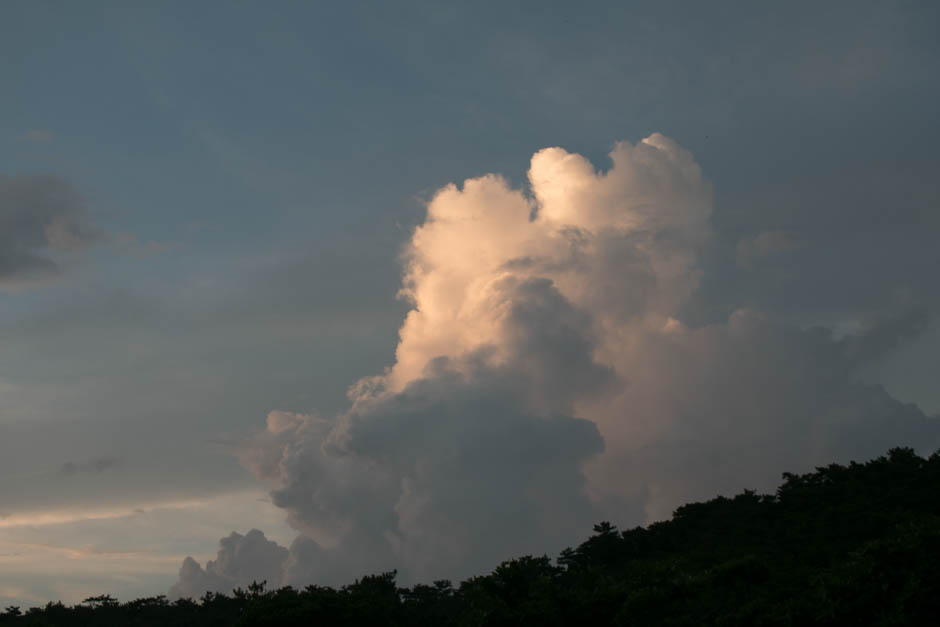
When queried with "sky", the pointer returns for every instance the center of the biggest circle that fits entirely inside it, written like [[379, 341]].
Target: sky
[[301, 291]]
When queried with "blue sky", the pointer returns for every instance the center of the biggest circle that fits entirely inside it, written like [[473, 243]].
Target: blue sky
[[252, 173]]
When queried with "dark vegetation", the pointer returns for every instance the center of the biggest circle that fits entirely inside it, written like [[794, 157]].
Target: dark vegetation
[[845, 545]]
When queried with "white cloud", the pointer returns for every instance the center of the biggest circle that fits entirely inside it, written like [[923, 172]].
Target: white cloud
[[545, 379]]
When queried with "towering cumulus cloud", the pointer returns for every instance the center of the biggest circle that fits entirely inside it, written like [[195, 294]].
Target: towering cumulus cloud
[[545, 379]]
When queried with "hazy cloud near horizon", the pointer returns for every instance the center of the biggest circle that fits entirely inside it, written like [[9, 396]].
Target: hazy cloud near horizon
[[545, 379]]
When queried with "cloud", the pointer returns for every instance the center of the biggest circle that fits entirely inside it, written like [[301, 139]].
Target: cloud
[[241, 560], [41, 222], [71, 515], [92, 466], [545, 379], [731, 405], [765, 244], [129, 549]]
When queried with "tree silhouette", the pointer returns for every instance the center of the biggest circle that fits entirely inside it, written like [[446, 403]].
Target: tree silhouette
[[843, 545]]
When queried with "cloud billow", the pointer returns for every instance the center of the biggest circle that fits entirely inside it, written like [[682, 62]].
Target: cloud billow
[[545, 379], [242, 560]]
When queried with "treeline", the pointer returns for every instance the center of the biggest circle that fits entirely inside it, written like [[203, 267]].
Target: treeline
[[845, 545]]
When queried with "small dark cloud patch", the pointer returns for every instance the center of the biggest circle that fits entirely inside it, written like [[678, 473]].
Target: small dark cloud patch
[[92, 466], [42, 222]]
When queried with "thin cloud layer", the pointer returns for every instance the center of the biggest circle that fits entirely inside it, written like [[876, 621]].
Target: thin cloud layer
[[40, 220], [545, 379]]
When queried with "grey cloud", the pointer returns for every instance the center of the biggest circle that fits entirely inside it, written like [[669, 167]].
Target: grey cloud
[[245, 559], [241, 560], [452, 475], [730, 406], [308, 563], [886, 330], [765, 244], [92, 466], [551, 343], [40, 219], [461, 468], [546, 378]]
